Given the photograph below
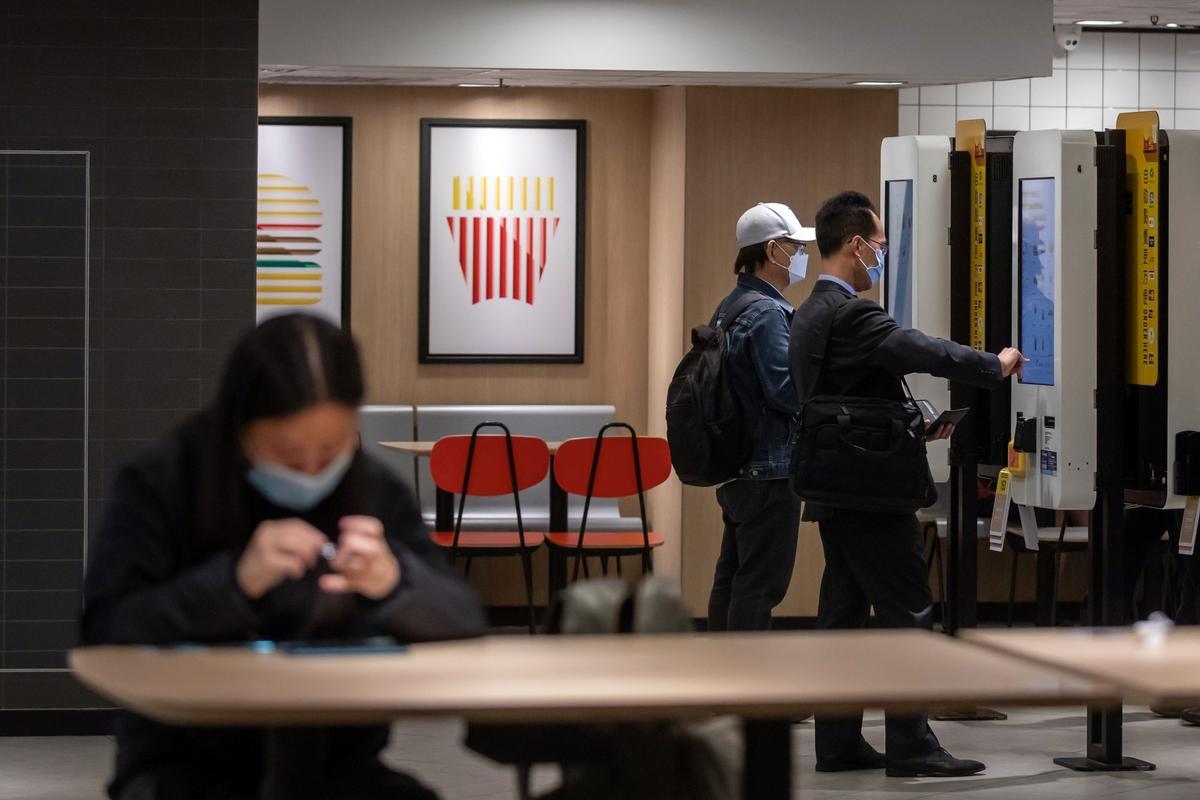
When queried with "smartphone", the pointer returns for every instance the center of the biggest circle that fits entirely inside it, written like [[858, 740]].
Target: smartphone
[[951, 416], [338, 647], [306, 647]]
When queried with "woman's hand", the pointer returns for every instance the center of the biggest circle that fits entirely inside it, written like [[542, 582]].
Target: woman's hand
[[278, 550], [364, 563]]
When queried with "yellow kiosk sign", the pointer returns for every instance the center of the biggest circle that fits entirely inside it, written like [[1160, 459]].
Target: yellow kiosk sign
[[1142, 180], [969, 135]]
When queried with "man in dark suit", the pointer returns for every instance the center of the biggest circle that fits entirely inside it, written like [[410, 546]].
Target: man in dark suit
[[873, 559]]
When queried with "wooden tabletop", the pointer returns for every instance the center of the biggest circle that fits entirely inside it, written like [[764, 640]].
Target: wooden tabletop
[[1168, 674], [425, 449], [561, 679]]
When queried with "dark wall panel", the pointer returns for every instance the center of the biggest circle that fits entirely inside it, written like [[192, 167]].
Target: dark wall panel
[[141, 240]]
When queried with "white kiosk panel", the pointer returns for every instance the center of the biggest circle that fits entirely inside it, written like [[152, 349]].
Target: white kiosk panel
[[1054, 315], [915, 204], [1183, 295]]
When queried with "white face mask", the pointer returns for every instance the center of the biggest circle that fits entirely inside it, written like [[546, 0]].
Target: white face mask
[[797, 266], [298, 491]]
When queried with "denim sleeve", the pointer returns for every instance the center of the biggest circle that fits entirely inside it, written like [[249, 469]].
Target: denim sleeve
[[769, 352]]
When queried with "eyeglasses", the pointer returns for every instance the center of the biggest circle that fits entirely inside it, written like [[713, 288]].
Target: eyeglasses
[[883, 248]]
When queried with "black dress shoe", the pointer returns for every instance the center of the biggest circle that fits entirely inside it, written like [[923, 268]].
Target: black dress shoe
[[867, 757], [1170, 712], [938, 764], [1191, 716]]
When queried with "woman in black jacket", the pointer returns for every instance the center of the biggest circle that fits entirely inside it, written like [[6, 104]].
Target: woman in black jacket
[[261, 519]]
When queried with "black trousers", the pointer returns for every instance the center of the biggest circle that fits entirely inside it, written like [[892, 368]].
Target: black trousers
[[1144, 528], [758, 551], [873, 560]]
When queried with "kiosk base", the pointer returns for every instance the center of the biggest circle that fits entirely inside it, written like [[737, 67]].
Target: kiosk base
[[966, 714], [1084, 764]]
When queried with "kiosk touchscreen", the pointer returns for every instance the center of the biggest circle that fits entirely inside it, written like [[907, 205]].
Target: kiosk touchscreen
[[915, 194], [1054, 317]]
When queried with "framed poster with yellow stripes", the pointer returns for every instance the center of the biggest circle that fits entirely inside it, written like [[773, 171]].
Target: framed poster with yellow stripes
[[302, 260], [502, 241]]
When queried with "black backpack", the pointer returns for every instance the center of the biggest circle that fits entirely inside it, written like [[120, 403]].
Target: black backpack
[[706, 427]]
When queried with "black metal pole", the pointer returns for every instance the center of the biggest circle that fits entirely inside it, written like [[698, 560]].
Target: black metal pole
[[961, 572], [1106, 540]]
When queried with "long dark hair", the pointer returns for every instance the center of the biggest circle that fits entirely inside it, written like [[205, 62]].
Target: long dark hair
[[287, 364]]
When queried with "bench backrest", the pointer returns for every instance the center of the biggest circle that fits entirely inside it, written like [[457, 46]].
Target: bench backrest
[[389, 424]]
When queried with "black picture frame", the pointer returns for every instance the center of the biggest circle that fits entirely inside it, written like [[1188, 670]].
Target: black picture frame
[[424, 310], [347, 126]]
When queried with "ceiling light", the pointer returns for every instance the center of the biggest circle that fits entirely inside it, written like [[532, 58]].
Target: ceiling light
[[1100, 22], [878, 83], [477, 86], [1172, 24]]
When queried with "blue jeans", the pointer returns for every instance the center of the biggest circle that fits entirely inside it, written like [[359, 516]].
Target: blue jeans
[[758, 550]]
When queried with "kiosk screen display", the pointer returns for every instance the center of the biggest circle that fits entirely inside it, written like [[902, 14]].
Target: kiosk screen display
[[1035, 264], [898, 211]]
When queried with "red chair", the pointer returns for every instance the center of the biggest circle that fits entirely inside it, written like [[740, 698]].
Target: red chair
[[487, 466], [610, 466]]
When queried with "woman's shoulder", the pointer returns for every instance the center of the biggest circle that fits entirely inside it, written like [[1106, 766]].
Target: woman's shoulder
[[172, 459], [380, 478]]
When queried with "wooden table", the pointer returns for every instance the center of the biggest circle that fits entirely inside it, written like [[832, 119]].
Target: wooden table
[[765, 678], [1169, 674]]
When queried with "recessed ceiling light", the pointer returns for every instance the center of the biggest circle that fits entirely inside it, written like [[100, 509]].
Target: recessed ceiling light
[[1172, 24], [878, 83], [1100, 22], [477, 86]]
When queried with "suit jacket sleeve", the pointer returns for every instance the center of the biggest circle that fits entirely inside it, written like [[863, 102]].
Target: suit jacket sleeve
[[902, 351]]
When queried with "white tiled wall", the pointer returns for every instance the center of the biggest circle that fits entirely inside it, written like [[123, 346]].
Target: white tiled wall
[[1107, 74]]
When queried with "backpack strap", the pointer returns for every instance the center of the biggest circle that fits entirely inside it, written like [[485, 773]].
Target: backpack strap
[[736, 309]]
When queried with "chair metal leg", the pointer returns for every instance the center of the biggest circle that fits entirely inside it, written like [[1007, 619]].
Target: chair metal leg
[[467, 567], [587, 573], [647, 563], [618, 566], [941, 577], [524, 779], [1054, 590], [527, 568], [604, 565], [1012, 587]]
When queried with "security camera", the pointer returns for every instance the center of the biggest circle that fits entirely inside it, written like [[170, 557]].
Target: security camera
[[1067, 36]]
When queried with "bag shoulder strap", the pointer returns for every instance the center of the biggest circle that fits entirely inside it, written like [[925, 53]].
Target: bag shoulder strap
[[821, 353], [736, 309]]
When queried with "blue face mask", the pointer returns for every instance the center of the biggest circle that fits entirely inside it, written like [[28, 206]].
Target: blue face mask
[[297, 491], [875, 272]]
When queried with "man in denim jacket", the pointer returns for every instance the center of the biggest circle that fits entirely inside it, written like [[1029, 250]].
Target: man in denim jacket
[[761, 514]]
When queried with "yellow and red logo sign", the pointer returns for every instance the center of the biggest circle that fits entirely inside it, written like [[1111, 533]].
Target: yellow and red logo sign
[[503, 227], [289, 219]]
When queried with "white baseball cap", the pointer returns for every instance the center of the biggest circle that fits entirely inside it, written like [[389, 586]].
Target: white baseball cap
[[767, 221]]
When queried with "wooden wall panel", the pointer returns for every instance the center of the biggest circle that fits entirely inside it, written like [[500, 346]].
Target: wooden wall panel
[[668, 175], [384, 241], [385, 228], [796, 146]]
